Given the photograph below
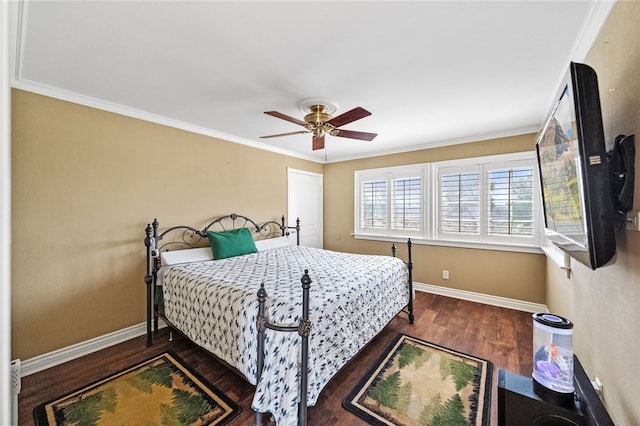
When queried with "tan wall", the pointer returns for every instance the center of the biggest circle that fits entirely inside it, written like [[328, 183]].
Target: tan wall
[[604, 305], [506, 274], [85, 184]]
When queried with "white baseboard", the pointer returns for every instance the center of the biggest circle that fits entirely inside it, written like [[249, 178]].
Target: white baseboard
[[60, 356], [487, 299]]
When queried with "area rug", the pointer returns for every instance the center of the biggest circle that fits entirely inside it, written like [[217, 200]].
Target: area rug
[[159, 391], [419, 383]]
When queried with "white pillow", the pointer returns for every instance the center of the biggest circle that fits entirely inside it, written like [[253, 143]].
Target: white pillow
[[272, 243], [186, 256]]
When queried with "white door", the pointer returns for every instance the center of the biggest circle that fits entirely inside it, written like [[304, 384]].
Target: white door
[[305, 202]]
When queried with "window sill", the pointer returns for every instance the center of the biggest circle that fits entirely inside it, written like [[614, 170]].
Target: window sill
[[560, 258], [451, 243]]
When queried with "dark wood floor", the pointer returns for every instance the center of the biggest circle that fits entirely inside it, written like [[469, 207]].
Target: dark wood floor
[[503, 336]]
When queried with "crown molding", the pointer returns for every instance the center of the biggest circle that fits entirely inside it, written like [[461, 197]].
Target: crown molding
[[599, 13]]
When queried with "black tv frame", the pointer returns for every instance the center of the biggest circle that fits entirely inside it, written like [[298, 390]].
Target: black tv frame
[[594, 188]]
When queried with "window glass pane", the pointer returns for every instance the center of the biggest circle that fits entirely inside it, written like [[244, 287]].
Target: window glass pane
[[373, 210], [406, 210], [510, 209], [460, 202]]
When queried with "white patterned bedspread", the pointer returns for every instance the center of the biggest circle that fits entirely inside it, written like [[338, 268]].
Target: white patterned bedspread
[[352, 298]]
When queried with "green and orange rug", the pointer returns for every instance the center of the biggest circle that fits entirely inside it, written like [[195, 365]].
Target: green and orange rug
[[420, 383], [159, 391]]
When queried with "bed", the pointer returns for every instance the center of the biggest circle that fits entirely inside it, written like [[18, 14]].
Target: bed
[[286, 317]]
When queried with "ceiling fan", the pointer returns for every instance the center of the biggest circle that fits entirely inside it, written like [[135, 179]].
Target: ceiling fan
[[320, 122]]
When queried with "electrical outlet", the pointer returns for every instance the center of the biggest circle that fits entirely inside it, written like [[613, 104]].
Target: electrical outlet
[[15, 376], [633, 221], [15, 389], [445, 274], [597, 385]]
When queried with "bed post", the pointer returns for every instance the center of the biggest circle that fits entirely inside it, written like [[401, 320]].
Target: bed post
[[156, 265], [304, 330], [410, 266], [261, 326], [148, 279], [297, 228], [410, 280]]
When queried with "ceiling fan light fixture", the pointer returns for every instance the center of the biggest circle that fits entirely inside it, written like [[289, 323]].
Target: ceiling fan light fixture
[[318, 115], [319, 121]]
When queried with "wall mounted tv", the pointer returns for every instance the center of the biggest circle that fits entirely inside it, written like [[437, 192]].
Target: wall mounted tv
[[572, 160]]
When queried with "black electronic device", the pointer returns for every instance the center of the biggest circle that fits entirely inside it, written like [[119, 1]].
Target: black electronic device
[[520, 405], [574, 173]]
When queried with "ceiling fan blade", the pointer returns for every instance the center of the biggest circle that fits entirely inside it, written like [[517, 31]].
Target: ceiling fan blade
[[285, 117], [318, 142], [354, 135], [285, 134], [355, 114]]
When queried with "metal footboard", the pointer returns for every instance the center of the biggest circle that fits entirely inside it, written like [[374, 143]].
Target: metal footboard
[[409, 263], [304, 330]]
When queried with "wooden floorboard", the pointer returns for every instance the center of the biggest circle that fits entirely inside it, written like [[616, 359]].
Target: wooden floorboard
[[502, 336]]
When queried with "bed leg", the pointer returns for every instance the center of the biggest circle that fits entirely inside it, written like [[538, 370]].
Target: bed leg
[[148, 280], [410, 267], [304, 330], [153, 269], [155, 318], [409, 280], [149, 334], [261, 326]]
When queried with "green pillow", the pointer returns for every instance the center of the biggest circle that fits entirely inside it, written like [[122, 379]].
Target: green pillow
[[231, 243]]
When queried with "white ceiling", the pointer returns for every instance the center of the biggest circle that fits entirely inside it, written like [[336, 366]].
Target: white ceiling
[[431, 73]]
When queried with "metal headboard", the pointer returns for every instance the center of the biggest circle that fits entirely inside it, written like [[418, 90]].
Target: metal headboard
[[190, 237]]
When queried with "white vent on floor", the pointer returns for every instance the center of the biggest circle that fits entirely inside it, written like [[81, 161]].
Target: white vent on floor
[[15, 388]]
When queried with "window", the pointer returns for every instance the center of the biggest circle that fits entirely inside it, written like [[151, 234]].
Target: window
[[487, 201], [479, 202], [389, 202]]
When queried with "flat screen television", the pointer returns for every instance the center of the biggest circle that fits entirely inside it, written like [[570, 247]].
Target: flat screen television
[[574, 175]]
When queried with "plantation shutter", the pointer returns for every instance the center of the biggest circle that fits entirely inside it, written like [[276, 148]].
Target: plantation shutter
[[460, 202], [406, 208], [510, 201], [373, 211]]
